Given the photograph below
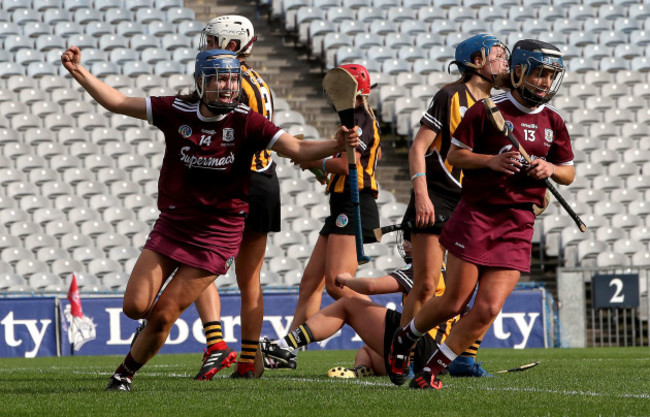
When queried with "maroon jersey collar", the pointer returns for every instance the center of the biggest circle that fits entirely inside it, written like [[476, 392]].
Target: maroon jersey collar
[[523, 108]]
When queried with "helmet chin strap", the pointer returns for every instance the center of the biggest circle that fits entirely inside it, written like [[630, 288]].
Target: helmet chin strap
[[490, 80], [530, 98], [245, 47], [219, 108]]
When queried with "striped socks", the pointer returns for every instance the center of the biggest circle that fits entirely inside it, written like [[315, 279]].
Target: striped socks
[[299, 337]]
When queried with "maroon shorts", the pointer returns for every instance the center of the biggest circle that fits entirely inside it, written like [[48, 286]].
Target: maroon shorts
[[492, 236], [196, 238]]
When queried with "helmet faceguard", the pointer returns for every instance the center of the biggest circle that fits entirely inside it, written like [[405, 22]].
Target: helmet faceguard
[[225, 29], [534, 56], [403, 240], [478, 44], [360, 73], [217, 72]]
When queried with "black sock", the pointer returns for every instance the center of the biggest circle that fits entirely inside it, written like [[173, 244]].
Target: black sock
[[299, 337]]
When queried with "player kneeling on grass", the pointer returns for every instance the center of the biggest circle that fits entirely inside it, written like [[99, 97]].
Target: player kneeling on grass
[[210, 140], [488, 236], [375, 324]]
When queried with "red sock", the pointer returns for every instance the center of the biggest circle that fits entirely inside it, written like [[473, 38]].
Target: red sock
[[217, 346], [243, 367], [128, 367], [439, 360]]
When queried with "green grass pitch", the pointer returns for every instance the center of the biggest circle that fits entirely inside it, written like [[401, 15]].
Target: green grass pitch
[[568, 382]]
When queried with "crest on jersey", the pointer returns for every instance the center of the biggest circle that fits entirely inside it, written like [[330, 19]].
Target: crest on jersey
[[228, 134], [229, 262], [185, 131], [548, 135], [462, 110], [510, 125], [341, 220]]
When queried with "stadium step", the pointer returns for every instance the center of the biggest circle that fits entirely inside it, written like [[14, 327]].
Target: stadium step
[[296, 77]]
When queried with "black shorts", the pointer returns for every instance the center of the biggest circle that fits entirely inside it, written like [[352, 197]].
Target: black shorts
[[341, 212], [443, 204], [264, 201], [425, 347]]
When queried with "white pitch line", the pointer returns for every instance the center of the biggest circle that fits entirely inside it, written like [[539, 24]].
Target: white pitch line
[[342, 380], [351, 381], [564, 392]]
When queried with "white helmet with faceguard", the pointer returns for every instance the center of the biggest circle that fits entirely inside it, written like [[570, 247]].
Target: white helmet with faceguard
[[224, 29], [534, 55]]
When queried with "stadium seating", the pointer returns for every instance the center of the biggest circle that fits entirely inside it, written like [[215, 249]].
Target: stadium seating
[[144, 45]]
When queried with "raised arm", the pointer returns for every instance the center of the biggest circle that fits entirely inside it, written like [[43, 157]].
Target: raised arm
[[310, 150], [107, 96], [335, 165]]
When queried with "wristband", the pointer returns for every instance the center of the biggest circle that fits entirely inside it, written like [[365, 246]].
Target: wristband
[[323, 164], [553, 170], [419, 174]]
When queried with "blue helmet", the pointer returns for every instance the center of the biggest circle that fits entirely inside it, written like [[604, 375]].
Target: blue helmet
[[481, 43], [215, 62], [531, 55]]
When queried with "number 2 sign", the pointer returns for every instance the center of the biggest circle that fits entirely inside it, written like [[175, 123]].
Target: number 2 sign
[[615, 290]]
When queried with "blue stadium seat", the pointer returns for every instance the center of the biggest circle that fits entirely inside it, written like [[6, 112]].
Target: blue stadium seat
[[98, 28], [43, 5], [611, 259], [189, 28], [430, 15], [383, 27], [54, 16], [396, 40], [173, 41], [380, 53], [612, 38], [177, 15], [412, 27], [115, 15], [596, 25], [166, 4], [167, 68], [83, 16], [400, 14], [550, 14], [115, 281], [353, 4], [129, 29], [280, 265]]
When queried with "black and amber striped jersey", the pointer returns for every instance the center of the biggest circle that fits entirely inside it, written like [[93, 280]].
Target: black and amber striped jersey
[[367, 164], [445, 112], [404, 276], [257, 95]]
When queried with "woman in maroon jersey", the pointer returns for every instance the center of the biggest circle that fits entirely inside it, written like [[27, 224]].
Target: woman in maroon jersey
[[482, 61], [489, 234], [204, 180]]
